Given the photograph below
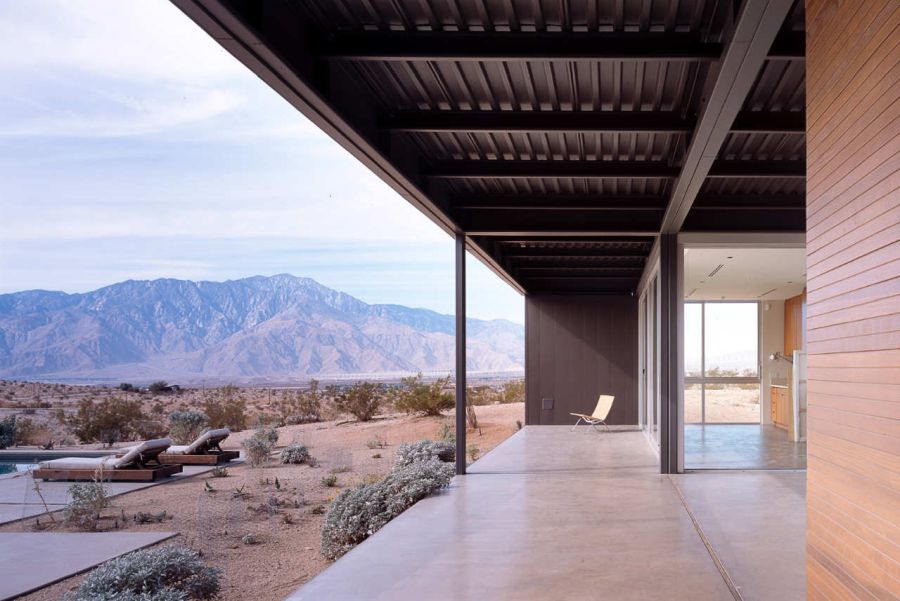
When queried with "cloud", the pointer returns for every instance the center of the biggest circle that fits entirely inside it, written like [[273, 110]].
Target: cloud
[[133, 146]]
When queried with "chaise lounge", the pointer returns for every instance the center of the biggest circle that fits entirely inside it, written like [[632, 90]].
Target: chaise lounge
[[203, 451], [139, 464]]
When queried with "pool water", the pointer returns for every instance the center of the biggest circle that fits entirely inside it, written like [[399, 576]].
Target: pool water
[[10, 467]]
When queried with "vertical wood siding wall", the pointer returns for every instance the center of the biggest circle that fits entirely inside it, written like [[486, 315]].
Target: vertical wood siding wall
[[576, 348], [853, 271]]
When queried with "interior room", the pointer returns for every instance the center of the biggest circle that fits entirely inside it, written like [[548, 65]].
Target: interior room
[[744, 358]]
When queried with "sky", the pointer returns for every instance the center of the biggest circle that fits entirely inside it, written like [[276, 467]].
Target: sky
[[132, 146]]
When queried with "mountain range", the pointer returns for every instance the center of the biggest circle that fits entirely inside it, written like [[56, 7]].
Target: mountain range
[[277, 328]]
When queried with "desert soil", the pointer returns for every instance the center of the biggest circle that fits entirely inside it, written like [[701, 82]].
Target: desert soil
[[214, 514]]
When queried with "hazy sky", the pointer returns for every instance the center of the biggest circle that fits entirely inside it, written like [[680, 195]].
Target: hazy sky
[[133, 146]]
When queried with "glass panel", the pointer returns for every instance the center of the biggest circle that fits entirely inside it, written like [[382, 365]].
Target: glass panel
[[692, 404], [693, 314], [731, 403], [731, 337]]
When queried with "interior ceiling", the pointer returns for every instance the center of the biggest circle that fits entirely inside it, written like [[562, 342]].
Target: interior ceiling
[[561, 138], [744, 273]]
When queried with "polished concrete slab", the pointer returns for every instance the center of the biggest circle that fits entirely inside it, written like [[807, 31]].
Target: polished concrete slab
[[33, 560], [756, 524], [548, 514], [19, 498], [741, 446]]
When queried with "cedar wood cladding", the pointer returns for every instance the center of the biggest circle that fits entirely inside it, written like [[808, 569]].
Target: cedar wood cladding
[[853, 321], [576, 348]]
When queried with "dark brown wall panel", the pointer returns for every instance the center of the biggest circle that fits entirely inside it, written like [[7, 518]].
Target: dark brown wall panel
[[577, 348], [853, 311]]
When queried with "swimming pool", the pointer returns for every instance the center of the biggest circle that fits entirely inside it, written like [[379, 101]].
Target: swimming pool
[[22, 461]]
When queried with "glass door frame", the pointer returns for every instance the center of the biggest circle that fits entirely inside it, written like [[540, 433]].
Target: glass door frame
[[649, 358], [703, 379]]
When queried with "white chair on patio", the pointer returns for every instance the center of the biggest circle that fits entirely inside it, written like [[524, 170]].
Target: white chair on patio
[[601, 412]]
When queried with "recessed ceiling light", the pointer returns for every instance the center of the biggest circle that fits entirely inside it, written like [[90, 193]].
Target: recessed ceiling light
[[729, 257]]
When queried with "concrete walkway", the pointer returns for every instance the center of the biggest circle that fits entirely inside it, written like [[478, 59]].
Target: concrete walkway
[[33, 560], [756, 524], [548, 514], [19, 499]]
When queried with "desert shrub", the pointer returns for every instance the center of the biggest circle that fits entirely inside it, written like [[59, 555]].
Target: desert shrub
[[126, 387], [424, 450], [30, 433], [302, 407], [329, 480], [472, 451], [447, 433], [147, 429], [376, 443], [159, 387], [295, 453], [186, 426], [87, 502], [358, 513], [481, 395], [7, 432], [513, 392], [226, 409], [168, 573], [259, 446], [415, 396], [107, 422], [362, 400]]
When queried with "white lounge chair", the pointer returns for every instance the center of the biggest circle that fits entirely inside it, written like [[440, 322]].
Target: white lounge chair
[[140, 463], [203, 451], [601, 412]]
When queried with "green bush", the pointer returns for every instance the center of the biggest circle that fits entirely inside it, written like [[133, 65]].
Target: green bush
[[302, 407], [362, 400], [87, 502], [358, 513], [227, 409], [159, 387], [416, 396], [7, 432], [186, 426], [107, 422], [169, 573]]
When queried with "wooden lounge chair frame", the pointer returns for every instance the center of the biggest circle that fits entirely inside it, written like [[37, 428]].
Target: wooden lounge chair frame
[[207, 454], [599, 416], [144, 467]]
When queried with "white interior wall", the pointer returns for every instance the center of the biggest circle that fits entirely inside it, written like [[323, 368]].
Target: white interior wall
[[772, 340]]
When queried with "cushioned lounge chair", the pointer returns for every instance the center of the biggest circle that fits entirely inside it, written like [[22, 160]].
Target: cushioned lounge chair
[[139, 464], [203, 451], [601, 412]]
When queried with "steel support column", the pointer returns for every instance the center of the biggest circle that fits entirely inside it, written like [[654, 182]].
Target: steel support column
[[670, 349], [460, 354]]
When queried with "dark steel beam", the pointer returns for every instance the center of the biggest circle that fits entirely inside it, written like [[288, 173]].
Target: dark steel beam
[[756, 26], [474, 169], [566, 223], [540, 121], [758, 169], [465, 169], [580, 263], [460, 255], [769, 122], [788, 45], [570, 202], [485, 46], [581, 272]]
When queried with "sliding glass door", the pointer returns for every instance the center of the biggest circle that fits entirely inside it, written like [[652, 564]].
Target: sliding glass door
[[649, 360], [721, 363]]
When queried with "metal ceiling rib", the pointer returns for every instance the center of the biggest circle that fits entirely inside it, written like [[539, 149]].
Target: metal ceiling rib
[[552, 133]]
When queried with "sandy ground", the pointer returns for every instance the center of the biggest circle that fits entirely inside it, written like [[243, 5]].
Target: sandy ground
[[286, 517], [731, 405]]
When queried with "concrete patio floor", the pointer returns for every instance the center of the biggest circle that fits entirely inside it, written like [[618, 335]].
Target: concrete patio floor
[[19, 499], [548, 514], [33, 560]]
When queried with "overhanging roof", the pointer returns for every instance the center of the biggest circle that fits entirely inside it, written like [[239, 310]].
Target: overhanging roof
[[561, 138]]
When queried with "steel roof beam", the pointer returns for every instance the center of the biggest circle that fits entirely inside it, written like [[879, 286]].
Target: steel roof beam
[[517, 46], [756, 27]]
